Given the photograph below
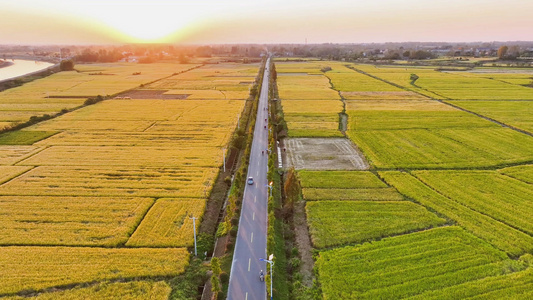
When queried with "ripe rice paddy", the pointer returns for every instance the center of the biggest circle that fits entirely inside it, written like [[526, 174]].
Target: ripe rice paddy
[[125, 174]]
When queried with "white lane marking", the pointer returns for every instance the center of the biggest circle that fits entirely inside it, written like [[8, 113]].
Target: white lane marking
[[249, 262], [255, 199], [246, 296], [252, 238], [253, 216], [258, 162], [257, 173]]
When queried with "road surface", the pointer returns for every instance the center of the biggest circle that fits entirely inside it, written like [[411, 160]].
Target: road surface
[[250, 246]]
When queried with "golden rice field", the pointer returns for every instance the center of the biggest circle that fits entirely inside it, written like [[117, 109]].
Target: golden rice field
[[168, 224], [44, 220], [66, 90], [35, 268], [133, 290], [125, 174]]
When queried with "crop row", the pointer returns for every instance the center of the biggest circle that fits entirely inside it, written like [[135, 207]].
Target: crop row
[[499, 197], [407, 265], [501, 235], [334, 223], [69, 220], [444, 148], [35, 268], [112, 181], [305, 118], [133, 290]]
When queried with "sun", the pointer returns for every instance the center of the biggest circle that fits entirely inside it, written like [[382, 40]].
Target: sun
[[145, 23]]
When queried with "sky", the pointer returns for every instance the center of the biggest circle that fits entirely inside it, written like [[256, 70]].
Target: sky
[[263, 21]]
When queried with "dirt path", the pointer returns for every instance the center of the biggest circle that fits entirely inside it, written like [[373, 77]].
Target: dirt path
[[303, 242]]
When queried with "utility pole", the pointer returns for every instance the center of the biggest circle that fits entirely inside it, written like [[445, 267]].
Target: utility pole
[[270, 261], [194, 229], [224, 158]]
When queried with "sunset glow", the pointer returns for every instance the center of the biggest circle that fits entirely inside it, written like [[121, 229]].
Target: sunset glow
[[233, 21]]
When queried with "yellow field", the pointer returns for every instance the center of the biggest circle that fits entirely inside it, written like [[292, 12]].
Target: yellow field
[[40, 96], [134, 290], [113, 181], [120, 173], [373, 95], [35, 268], [222, 77], [8, 172], [168, 224], [12, 154], [69, 220]]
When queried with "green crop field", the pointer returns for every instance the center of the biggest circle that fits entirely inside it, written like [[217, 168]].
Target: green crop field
[[446, 211], [523, 173], [333, 223], [500, 197], [499, 234], [513, 113], [355, 206], [409, 265], [103, 194]]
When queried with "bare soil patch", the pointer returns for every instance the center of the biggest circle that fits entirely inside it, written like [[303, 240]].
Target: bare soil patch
[[153, 94], [324, 154]]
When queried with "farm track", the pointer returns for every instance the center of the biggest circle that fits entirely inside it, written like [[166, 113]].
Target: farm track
[[445, 102]]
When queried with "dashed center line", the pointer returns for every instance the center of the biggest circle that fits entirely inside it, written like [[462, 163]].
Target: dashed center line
[[253, 216], [246, 296], [249, 263], [252, 238]]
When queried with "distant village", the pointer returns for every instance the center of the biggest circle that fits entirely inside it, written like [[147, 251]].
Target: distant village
[[516, 53]]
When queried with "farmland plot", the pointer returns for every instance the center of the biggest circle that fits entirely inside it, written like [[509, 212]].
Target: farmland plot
[[311, 107], [120, 173], [499, 197], [446, 148], [134, 290], [333, 223], [35, 268], [523, 173], [27, 220], [408, 265], [401, 129], [339, 211], [499, 234], [168, 224], [513, 113], [69, 89]]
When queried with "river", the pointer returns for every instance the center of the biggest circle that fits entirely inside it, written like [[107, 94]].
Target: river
[[22, 67]]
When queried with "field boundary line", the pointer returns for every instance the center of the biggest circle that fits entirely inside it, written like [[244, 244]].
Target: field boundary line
[[446, 103], [343, 122], [30, 156], [472, 209], [136, 226], [16, 176], [377, 239], [85, 284]]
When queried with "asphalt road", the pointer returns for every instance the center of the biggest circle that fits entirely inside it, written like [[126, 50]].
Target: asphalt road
[[244, 283]]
